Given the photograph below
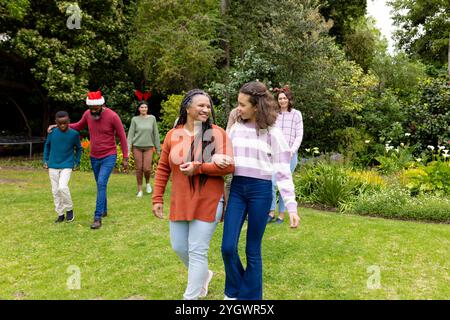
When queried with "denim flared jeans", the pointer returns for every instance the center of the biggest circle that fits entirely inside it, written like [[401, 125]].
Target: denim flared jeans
[[252, 197]]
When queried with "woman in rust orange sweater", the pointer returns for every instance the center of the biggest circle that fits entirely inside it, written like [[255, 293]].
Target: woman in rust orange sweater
[[197, 154]]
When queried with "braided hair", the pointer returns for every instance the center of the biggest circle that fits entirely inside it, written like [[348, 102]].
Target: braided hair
[[206, 126]]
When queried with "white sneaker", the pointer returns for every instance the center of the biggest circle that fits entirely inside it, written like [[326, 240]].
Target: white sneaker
[[139, 194], [204, 291], [228, 298], [149, 188]]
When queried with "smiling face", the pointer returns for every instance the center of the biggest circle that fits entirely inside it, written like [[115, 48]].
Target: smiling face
[[283, 101], [245, 109], [62, 123], [143, 109], [199, 109]]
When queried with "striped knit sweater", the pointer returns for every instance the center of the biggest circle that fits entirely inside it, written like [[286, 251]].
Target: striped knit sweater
[[258, 156], [291, 123]]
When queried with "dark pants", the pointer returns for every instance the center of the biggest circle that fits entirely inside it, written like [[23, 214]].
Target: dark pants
[[102, 168], [252, 196]]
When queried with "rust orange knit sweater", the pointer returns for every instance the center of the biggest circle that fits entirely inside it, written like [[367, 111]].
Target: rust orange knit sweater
[[187, 204]]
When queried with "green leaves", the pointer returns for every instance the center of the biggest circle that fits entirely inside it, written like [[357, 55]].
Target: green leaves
[[66, 62], [175, 43], [423, 29]]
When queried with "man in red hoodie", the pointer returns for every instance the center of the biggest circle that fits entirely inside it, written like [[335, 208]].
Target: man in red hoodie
[[103, 125]]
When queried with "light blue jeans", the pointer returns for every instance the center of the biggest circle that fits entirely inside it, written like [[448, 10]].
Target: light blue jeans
[[190, 240], [281, 207]]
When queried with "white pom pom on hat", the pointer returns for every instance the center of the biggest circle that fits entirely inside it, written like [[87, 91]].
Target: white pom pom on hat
[[94, 98]]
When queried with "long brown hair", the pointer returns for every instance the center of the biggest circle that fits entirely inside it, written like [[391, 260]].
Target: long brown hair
[[288, 95], [263, 100]]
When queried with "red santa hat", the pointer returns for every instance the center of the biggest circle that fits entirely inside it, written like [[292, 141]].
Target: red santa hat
[[95, 99]]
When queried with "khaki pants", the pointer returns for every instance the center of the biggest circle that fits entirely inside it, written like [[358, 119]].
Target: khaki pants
[[59, 179]]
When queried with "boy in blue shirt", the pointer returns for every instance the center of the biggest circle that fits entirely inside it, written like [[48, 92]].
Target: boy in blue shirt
[[62, 153]]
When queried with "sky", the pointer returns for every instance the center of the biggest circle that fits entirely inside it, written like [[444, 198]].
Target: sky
[[381, 12]]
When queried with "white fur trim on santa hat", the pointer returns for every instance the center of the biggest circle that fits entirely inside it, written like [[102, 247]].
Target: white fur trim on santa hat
[[95, 102]]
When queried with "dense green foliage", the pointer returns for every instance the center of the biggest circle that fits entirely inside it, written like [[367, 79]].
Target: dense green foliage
[[175, 43], [349, 89], [424, 29]]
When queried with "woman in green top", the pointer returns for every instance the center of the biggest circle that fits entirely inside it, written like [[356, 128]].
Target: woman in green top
[[143, 139]]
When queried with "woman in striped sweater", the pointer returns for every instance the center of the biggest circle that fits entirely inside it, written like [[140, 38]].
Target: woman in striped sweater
[[290, 121], [259, 150]]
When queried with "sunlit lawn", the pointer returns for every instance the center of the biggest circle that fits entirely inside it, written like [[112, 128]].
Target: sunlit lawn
[[331, 256]]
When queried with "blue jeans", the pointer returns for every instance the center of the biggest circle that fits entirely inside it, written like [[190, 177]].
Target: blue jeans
[[102, 168], [190, 240], [281, 207], [252, 196]]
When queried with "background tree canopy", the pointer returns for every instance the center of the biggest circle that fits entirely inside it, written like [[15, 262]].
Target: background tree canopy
[[348, 87], [424, 29]]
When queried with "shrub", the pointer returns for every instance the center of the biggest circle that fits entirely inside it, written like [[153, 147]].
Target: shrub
[[325, 183], [395, 159], [169, 112], [131, 164], [85, 160], [434, 177], [428, 116], [397, 203]]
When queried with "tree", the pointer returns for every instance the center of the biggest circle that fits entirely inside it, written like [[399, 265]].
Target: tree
[[344, 15], [66, 59], [364, 43], [423, 29], [176, 43]]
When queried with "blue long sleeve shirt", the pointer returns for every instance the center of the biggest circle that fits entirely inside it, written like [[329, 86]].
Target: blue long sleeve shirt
[[62, 149]]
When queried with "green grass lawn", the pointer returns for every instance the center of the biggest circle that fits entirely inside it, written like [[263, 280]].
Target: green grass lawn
[[329, 257]]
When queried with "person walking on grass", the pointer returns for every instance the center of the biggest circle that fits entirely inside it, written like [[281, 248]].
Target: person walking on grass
[[259, 149], [62, 153], [196, 154], [104, 125], [143, 139], [290, 121]]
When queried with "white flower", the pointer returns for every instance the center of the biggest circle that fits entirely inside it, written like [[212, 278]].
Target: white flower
[[307, 150], [441, 147], [446, 151], [418, 159], [402, 144], [407, 134], [389, 141], [367, 141], [430, 147], [316, 151], [446, 155]]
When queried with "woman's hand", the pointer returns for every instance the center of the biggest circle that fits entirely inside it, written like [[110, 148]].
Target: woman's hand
[[158, 210], [187, 169], [294, 219], [222, 160]]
